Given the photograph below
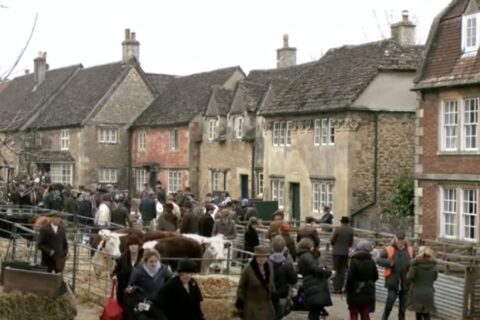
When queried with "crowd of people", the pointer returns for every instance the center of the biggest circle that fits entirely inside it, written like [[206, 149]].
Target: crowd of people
[[147, 289]]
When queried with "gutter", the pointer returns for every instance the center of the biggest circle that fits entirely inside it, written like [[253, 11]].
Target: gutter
[[253, 170], [375, 174], [130, 161]]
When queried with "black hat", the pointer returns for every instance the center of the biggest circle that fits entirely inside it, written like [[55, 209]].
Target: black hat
[[400, 235], [344, 219], [186, 266]]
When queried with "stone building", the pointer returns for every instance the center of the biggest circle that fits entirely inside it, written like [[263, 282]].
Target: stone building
[[78, 124], [447, 158], [166, 137], [231, 154], [341, 132]]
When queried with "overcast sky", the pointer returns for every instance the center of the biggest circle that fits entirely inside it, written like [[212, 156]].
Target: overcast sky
[[187, 36]]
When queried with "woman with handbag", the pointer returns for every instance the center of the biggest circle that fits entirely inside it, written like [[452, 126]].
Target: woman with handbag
[[255, 292], [148, 279], [360, 285]]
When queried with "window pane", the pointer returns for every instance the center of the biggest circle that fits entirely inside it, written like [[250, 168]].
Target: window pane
[[283, 132], [469, 214], [276, 133], [449, 212], [324, 131], [316, 138], [332, 131], [470, 123], [450, 122]]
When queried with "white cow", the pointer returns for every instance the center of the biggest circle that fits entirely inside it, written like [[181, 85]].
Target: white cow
[[106, 251], [216, 244]]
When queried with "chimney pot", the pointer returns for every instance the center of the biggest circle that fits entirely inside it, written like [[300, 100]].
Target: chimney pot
[[27, 71], [285, 40], [127, 34], [40, 67], [405, 15], [130, 47], [133, 36], [403, 32]]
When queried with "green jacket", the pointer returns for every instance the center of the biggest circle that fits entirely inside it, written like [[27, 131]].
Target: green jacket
[[422, 274]]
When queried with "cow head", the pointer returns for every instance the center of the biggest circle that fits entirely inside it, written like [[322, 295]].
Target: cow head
[[217, 247], [110, 243]]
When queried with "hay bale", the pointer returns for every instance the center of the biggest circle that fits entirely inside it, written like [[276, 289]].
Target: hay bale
[[20, 306], [219, 293]]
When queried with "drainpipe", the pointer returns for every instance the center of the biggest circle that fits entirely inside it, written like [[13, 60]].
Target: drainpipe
[[253, 170], [375, 173], [130, 161]]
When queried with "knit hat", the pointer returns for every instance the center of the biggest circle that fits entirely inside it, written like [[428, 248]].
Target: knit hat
[[186, 266], [400, 235], [278, 244]]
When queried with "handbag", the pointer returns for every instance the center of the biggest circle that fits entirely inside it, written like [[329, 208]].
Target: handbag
[[112, 310]]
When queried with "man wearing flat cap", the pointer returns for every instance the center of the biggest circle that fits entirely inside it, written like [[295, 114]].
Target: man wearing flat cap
[[341, 241], [395, 259], [52, 242]]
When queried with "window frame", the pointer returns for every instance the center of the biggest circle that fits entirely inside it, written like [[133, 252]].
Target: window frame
[[216, 181], [472, 125], [278, 191], [276, 134], [212, 125], [260, 182], [142, 141], [447, 106], [110, 173], [141, 177], [108, 135], [65, 173], [174, 139], [174, 181], [64, 139], [463, 214], [239, 127], [317, 132], [466, 48]]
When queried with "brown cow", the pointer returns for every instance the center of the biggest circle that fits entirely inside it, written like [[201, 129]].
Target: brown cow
[[39, 221], [157, 235], [179, 247]]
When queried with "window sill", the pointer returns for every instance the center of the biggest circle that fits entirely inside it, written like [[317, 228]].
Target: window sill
[[108, 142], [457, 153], [455, 240]]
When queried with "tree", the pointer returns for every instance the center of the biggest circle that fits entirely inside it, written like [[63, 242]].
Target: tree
[[401, 199]]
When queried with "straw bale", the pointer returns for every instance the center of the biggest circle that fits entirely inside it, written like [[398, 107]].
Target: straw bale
[[20, 306], [219, 294]]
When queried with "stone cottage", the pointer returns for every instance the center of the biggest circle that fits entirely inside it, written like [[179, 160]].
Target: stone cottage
[[80, 134], [340, 133], [166, 137], [231, 154], [447, 157]]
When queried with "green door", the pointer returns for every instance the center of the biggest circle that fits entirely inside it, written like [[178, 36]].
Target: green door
[[295, 192]]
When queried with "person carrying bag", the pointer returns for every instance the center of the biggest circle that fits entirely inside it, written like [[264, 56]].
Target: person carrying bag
[[112, 310]]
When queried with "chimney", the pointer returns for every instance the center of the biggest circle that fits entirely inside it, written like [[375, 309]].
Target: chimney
[[27, 71], [286, 56], [130, 47], [403, 32], [40, 68]]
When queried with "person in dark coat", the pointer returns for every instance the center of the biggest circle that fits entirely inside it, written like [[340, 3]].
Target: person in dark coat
[[285, 275], [289, 243], [251, 235], [360, 286], [256, 289], [52, 242], [422, 274], [69, 203], [309, 231], [129, 259], [85, 213], [150, 276], [168, 221], [148, 209], [206, 222], [395, 260], [341, 241], [181, 296], [189, 220], [315, 280], [327, 217], [120, 214]]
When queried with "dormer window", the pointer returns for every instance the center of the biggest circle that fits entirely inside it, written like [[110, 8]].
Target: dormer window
[[470, 28]]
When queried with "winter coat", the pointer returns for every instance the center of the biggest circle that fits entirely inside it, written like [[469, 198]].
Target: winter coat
[[152, 287], [189, 223], [180, 304], [148, 209], [70, 205], [290, 244], [401, 263], [315, 281], [342, 240], [205, 225], [251, 239], [361, 277], [123, 269], [422, 274], [254, 292], [284, 273], [168, 222], [120, 215], [225, 227], [49, 241]]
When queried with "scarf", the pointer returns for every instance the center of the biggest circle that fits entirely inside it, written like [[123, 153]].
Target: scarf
[[277, 258], [152, 272]]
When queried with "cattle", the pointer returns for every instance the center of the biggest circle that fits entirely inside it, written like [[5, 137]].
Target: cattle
[[107, 250], [216, 244], [175, 248]]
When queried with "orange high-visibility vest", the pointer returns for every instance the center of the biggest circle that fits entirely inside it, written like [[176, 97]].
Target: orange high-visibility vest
[[390, 252]]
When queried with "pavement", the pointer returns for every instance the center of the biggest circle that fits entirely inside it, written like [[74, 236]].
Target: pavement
[[339, 311]]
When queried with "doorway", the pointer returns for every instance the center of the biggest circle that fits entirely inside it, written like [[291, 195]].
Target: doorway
[[244, 186], [295, 197]]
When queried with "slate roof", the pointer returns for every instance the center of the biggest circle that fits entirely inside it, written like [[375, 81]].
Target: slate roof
[[158, 81], [247, 97], [18, 100], [288, 73], [78, 99], [3, 84], [443, 64], [340, 76], [183, 98], [220, 102], [49, 156]]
